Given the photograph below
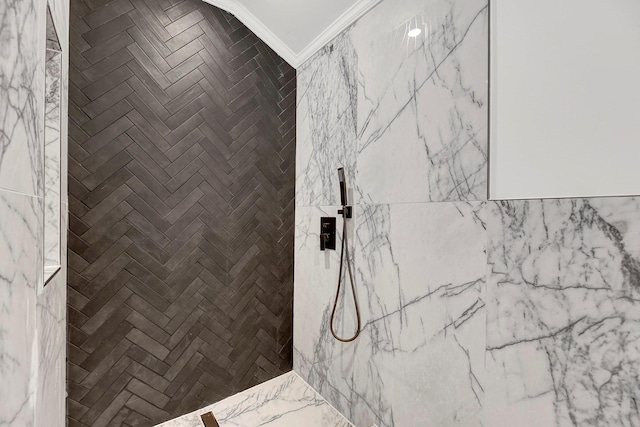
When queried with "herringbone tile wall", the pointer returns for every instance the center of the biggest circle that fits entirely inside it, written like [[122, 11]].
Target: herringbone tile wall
[[181, 181]]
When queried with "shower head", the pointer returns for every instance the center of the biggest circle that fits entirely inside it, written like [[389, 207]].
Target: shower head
[[343, 187]]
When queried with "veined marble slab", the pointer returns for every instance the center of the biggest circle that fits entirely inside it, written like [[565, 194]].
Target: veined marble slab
[[32, 320], [20, 274], [51, 312], [21, 86], [406, 116], [420, 280], [316, 274], [52, 152], [562, 313], [559, 328], [326, 123], [422, 101], [285, 401], [563, 330]]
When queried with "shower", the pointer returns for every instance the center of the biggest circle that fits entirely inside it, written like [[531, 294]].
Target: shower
[[347, 213]]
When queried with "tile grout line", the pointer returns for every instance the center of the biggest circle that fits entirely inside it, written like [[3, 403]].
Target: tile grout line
[[19, 193]]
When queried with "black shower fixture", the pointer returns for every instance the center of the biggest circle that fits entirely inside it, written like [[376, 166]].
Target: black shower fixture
[[346, 211]]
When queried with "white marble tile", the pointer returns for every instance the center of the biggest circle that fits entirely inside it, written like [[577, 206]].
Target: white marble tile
[[564, 312], [285, 401], [51, 312], [422, 102], [410, 114], [326, 123], [51, 300], [559, 333], [20, 274], [52, 152], [423, 267], [32, 328], [60, 15], [316, 274], [420, 278], [317, 355], [21, 84]]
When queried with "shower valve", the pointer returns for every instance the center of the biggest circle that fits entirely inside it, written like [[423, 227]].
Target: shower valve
[[327, 233]]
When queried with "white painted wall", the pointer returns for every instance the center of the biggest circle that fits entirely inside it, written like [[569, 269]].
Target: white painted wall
[[565, 98]]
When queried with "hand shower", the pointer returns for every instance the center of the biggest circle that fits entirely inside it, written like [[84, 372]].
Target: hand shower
[[346, 210], [346, 214], [343, 187]]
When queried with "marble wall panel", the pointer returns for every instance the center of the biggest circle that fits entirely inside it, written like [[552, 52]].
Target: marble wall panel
[[420, 270], [51, 318], [406, 117], [326, 123], [422, 101], [516, 313], [20, 272], [32, 319], [21, 92], [52, 154], [563, 330]]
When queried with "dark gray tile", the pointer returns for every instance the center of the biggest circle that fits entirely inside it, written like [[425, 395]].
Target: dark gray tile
[[181, 188]]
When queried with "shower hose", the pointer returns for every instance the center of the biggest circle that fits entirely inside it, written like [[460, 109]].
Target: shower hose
[[345, 249]]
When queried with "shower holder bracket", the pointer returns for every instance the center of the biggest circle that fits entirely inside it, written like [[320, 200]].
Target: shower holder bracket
[[346, 212]]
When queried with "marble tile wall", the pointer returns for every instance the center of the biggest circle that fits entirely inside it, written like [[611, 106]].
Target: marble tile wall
[[563, 324], [51, 309], [20, 272], [21, 95], [32, 317], [52, 188], [421, 353], [474, 312], [406, 117]]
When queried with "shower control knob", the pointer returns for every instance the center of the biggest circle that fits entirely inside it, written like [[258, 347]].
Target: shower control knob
[[324, 239]]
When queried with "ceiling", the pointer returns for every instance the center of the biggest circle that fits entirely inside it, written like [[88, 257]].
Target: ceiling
[[296, 29]]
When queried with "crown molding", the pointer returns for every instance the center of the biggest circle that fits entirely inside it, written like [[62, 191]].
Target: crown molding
[[294, 59]]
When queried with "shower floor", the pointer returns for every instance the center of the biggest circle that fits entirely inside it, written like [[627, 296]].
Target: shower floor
[[285, 401]]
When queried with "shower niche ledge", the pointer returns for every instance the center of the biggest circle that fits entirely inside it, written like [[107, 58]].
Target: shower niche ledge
[[52, 204]]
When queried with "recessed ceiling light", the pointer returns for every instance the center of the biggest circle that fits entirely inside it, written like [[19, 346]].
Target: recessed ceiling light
[[414, 33]]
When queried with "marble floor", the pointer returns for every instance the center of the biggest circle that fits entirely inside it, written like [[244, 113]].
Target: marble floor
[[285, 401]]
